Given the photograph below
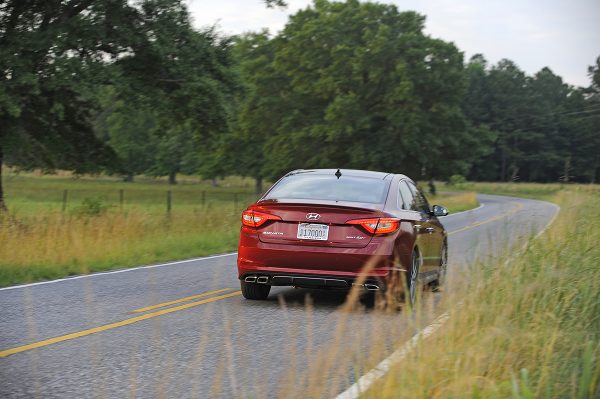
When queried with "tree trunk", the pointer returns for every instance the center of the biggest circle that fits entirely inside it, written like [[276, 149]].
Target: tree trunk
[[2, 203], [258, 187], [172, 177], [503, 165], [128, 178], [432, 188], [567, 170], [213, 182]]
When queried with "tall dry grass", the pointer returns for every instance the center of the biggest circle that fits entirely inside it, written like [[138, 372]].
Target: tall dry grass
[[56, 245], [527, 328]]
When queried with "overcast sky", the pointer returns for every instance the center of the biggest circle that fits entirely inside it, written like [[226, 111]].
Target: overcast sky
[[561, 34]]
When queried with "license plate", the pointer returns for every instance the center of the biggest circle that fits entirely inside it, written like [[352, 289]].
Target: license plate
[[309, 231]]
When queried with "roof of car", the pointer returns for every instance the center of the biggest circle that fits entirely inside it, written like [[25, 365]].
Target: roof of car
[[347, 172]]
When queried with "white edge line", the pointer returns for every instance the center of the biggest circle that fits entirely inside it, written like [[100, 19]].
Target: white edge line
[[364, 383], [542, 231], [131, 269]]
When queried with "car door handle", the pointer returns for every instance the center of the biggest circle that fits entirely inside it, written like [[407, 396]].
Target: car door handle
[[430, 230]]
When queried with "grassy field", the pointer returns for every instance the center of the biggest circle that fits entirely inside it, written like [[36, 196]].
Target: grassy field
[[528, 328], [106, 224], [96, 232], [545, 192]]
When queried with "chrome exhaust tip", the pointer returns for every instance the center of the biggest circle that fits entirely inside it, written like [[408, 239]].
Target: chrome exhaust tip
[[250, 279], [372, 287], [262, 280]]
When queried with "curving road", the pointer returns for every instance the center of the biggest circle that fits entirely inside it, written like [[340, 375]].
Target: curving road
[[183, 330]]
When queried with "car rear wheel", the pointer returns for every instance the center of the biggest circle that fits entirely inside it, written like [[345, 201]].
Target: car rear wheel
[[442, 270], [255, 290], [413, 277]]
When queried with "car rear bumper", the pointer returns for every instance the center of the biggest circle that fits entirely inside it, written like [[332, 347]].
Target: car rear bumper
[[313, 265], [371, 283]]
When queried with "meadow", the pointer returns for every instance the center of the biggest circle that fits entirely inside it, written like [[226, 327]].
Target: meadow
[[61, 225], [43, 238]]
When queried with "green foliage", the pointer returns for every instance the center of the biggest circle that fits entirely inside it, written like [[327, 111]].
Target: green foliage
[[356, 85], [545, 129], [51, 54], [91, 207], [186, 108], [456, 180]]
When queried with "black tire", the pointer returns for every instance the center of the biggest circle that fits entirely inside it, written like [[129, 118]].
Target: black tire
[[255, 291], [413, 278], [443, 269]]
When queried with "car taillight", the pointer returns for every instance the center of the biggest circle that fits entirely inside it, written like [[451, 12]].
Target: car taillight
[[255, 219], [377, 225]]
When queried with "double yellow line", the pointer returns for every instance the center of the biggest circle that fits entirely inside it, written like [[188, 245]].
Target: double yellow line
[[477, 224], [66, 337]]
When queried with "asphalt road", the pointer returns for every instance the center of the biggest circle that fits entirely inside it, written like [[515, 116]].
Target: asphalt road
[[82, 337]]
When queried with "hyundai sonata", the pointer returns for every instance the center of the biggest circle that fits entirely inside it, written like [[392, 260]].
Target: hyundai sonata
[[319, 228]]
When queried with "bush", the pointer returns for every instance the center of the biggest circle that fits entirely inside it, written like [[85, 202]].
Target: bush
[[91, 207], [456, 180]]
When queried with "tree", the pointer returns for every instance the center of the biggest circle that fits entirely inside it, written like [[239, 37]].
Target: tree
[[259, 107], [56, 54], [275, 3], [50, 52], [192, 86], [127, 128], [544, 127], [358, 85]]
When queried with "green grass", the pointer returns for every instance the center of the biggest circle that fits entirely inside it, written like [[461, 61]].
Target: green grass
[[34, 194], [545, 192]]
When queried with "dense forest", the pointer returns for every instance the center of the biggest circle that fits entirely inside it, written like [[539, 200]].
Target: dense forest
[[133, 88]]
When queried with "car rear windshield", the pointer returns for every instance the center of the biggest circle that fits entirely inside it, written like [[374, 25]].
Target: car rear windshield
[[325, 187]]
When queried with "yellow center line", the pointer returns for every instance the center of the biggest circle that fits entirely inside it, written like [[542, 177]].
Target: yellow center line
[[50, 341], [187, 298], [514, 210]]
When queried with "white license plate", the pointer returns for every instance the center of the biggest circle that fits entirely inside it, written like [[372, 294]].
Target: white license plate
[[310, 231]]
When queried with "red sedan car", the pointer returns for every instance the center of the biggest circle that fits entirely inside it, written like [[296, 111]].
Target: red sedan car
[[319, 228]]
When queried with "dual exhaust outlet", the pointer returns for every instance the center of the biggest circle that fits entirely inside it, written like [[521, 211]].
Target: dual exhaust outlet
[[255, 279], [368, 286]]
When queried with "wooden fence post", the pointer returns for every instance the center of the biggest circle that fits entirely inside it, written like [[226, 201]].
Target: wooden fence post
[[64, 200]]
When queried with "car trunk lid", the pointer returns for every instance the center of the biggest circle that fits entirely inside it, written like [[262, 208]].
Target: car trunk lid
[[296, 215]]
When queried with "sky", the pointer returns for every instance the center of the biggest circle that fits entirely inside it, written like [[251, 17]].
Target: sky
[[563, 35]]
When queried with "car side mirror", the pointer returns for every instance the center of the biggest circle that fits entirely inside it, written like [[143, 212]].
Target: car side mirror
[[438, 210]]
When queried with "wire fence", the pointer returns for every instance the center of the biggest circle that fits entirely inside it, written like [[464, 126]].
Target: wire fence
[[168, 200]]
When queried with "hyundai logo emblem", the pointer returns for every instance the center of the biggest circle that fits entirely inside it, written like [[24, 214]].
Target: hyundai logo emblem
[[313, 216]]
